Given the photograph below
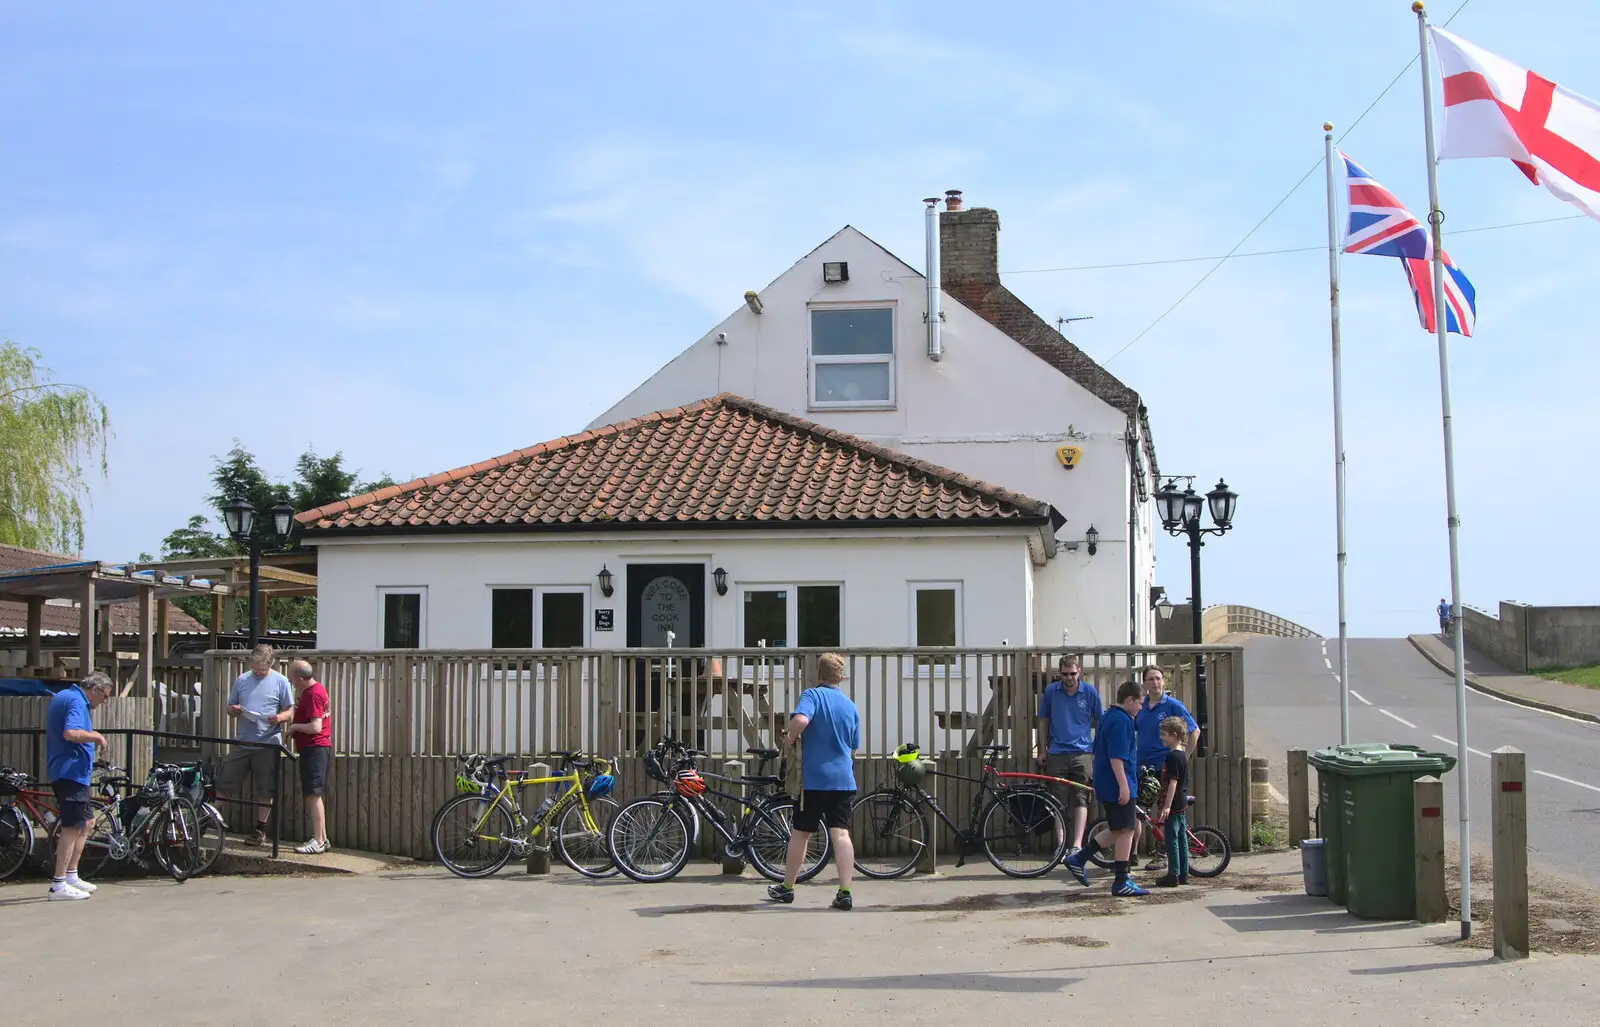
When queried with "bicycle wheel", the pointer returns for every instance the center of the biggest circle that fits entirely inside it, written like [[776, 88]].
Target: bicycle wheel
[[768, 829], [1209, 851], [213, 837], [1102, 856], [16, 841], [890, 833], [1023, 832], [175, 839], [105, 841], [473, 836], [582, 849], [649, 840]]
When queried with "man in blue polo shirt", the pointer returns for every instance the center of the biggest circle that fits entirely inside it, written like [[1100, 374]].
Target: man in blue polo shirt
[[1069, 711], [1158, 706], [69, 741]]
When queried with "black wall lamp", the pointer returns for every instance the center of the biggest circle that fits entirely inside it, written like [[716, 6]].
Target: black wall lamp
[[720, 577], [605, 582], [1093, 538]]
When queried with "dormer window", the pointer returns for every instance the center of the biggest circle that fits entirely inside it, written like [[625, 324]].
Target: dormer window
[[852, 357]]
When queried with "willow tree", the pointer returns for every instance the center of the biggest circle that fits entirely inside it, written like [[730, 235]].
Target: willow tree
[[49, 432]]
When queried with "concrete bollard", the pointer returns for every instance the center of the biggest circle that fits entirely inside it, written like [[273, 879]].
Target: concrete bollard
[[1508, 807], [732, 865], [1427, 810], [1299, 798], [539, 855], [1260, 789]]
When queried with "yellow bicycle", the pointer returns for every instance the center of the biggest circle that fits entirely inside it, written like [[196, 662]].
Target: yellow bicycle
[[477, 832]]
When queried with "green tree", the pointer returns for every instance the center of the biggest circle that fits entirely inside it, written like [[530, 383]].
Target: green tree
[[48, 432], [318, 481]]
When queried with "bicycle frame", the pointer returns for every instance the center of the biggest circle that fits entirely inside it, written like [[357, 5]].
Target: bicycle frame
[[514, 779]]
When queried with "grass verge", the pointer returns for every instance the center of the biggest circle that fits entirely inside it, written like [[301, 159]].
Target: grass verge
[[1587, 676]]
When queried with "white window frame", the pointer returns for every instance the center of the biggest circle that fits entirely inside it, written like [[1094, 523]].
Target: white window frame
[[421, 591], [539, 592], [792, 616], [812, 360], [914, 587]]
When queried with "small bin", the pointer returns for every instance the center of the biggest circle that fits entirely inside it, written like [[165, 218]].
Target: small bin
[[1314, 866]]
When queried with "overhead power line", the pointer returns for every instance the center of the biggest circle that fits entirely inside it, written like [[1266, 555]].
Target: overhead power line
[[1285, 199], [1269, 253]]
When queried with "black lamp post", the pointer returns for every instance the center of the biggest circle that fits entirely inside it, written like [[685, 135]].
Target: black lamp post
[[244, 525], [1180, 515]]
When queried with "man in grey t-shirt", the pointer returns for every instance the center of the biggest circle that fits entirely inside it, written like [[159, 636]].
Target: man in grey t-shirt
[[262, 702]]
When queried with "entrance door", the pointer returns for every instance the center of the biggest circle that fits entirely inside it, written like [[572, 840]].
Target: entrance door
[[665, 597]]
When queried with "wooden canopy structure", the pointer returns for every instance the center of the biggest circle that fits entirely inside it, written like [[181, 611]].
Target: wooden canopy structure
[[281, 574], [92, 586]]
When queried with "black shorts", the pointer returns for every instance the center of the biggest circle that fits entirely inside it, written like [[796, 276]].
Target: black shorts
[[314, 763], [1119, 817], [73, 799], [818, 808]]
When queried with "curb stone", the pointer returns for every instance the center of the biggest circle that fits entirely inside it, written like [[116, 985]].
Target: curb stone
[[1476, 684]]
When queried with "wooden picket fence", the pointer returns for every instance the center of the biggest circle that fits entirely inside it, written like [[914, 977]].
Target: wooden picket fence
[[26, 751], [400, 717]]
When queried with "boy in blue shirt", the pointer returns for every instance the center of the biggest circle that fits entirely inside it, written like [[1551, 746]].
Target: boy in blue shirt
[[1069, 711], [1115, 756], [827, 722]]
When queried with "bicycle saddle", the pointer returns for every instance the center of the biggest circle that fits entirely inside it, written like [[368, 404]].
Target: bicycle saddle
[[566, 754], [766, 754], [495, 761]]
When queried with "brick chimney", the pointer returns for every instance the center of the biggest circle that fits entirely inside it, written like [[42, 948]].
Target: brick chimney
[[969, 244]]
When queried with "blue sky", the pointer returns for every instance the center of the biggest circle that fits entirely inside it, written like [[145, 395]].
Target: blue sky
[[440, 234]]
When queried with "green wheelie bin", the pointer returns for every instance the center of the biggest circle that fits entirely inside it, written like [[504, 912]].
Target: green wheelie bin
[[1330, 802], [1377, 828]]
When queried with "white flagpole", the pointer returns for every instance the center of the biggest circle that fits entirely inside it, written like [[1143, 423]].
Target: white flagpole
[[1441, 323], [1338, 430]]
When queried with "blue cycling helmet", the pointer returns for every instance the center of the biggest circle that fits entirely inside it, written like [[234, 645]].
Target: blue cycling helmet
[[601, 786]]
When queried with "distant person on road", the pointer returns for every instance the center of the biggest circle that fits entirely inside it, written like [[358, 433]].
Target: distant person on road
[[1172, 808], [1157, 707], [1116, 754], [1444, 616], [69, 741], [1069, 711], [262, 702], [827, 725], [312, 732]]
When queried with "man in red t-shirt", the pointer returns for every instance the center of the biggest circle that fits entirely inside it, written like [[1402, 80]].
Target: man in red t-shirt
[[312, 731]]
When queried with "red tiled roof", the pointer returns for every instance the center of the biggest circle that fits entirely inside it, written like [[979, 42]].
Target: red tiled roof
[[721, 461], [124, 616]]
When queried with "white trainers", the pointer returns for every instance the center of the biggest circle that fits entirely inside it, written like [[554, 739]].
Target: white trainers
[[82, 885], [311, 848], [65, 892]]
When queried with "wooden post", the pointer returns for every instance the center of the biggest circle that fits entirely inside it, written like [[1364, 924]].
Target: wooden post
[[1299, 798], [86, 628], [163, 642], [733, 866], [539, 854], [1508, 805], [609, 732], [108, 638], [1427, 807], [144, 675], [928, 862], [35, 630], [1260, 789], [216, 617], [261, 613]]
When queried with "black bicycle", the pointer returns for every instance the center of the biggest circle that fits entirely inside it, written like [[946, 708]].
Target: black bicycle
[[651, 838], [155, 825], [1022, 831]]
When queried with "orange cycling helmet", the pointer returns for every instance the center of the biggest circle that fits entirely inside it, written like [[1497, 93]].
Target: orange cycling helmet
[[689, 783]]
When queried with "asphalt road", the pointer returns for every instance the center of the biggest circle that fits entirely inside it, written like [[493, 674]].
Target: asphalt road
[[1292, 690]]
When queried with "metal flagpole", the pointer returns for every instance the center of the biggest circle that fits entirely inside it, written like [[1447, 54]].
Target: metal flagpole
[[1441, 325], [1338, 430]]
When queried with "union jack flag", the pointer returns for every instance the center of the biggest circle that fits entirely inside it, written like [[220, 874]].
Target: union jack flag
[[1380, 226]]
